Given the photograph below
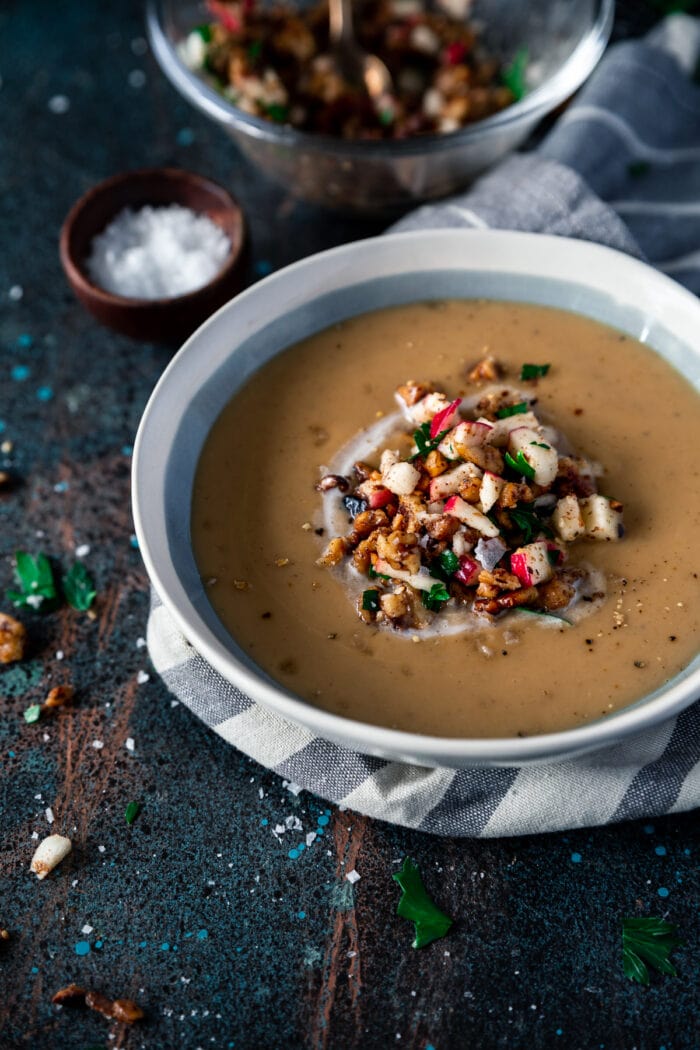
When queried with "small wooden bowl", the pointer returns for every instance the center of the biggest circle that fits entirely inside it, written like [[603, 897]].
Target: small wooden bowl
[[152, 320]]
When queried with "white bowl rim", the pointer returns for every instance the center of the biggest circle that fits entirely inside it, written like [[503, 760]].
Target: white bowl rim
[[545, 97], [538, 254]]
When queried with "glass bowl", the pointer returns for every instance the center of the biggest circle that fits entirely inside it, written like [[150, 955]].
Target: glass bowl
[[563, 40]]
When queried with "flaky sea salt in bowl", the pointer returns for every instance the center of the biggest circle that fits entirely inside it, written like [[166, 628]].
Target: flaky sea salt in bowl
[[153, 253]]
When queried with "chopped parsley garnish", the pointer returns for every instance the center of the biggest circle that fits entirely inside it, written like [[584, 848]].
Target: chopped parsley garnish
[[647, 942], [386, 117], [512, 410], [513, 76], [543, 612], [33, 713], [540, 444], [416, 906], [79, 588], [534, 371], [205, 32], [131, 812], [520, 465], [254, 50], [528, 521], [277, 113], [424, 442], [374, 575], [36, 582], [436, 597], [449, 562], [370, 600]]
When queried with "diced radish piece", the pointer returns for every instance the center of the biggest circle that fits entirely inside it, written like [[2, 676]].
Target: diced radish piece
[[428, 406], [401, 478], [490, 490], [602, 518], [531, 564], [503, 427], [467, 434], [568, 519], [421, 581], [445, 418], [468, 571], [450, 482], [379, 498], [489, 552], [543, 458], [471, 517]]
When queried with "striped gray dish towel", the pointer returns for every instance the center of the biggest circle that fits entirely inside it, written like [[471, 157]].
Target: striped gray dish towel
[[621, 167]]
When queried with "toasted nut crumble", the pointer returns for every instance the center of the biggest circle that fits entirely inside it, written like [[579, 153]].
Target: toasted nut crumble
[[124, 1010], [240, 585], [281, 562], [12, 639], [487, 370], [59, 695]]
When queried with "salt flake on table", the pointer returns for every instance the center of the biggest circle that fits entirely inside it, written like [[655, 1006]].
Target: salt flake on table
[[15, 293], [98, 744], [59, 104], [143, 676], [87, 928], [82, 551], [49, 814], [291, 787], [130, 744], [352, 876]]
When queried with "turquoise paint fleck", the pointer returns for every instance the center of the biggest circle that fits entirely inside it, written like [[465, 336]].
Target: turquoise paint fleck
[[127, 450], [134, 542], [61, 486], [165, 946], [25, 340], [98, 944], [202, 935], [44, 393], [559, 1031], [263, 267], [3, 425], [143, 944], [20, 372], [264, 822], [648, 829], [35, 969], [662, 891], [82, 947], [190, 934], [301, 915], [11, 754], [323, 820], [185, 137], [576, 858], [660, 851], [293, 854]]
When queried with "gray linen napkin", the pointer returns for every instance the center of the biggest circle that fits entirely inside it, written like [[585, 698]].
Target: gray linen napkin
[[621, 167]]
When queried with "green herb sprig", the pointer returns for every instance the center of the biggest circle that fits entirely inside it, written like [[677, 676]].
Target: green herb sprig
[[520, 465], [529, 522], [512, 410], [513, 76], [79, 587], [370, 600], [648, 942], [534, 371], [35, 579], [435, 598], [416, 906], [424, 442], [131, 812]]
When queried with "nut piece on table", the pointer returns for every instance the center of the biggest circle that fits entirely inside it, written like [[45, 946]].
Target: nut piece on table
[[124, 1010], [49, 853], [59, 695], [12, 638]]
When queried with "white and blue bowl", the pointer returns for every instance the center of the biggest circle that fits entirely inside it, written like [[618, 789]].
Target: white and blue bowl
[[330, 287]]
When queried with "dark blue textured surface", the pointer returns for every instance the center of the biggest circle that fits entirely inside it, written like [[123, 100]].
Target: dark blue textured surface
[[227, 935]]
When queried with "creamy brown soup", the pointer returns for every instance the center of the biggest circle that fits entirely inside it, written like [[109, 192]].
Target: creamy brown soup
[[256, 513]]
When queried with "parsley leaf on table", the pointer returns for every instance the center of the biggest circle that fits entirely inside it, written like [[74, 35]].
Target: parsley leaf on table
[[79, 587], [416, 905], [647, 942], [513, 76], [36, 582]]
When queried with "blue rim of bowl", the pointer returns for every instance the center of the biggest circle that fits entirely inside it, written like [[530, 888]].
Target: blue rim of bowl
[[400, 745], [568, 78]]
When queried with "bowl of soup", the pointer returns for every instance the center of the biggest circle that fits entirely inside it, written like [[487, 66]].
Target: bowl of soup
[[581, 365]]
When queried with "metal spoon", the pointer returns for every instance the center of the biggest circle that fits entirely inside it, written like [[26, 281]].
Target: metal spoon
[[356, 66]]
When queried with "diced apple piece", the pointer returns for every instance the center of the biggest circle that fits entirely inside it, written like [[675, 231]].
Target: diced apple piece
[[471, 517], [445, 418], [531, 563], [388, 458], [567, 519], [461, 544], [421, 581], [450, 482], [602, 518], [491, 487], [468, 571], [428, 406], [468, 434], [401, 478], [503, 427], [543, 458]]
